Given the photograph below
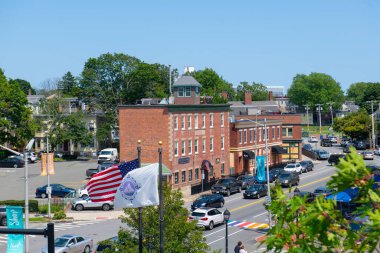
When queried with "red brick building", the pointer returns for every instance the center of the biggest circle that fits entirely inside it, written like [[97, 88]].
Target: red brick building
[[195, 136]]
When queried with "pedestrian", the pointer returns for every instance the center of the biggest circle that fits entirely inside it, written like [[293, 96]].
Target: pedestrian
[[242, 250], [237, 247]]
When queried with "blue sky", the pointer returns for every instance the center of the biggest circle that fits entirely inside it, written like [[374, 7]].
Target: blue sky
[[262, 41]]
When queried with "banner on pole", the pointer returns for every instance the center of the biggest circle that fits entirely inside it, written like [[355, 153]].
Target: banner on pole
[[260, 168], [44, 164], [15, 220]]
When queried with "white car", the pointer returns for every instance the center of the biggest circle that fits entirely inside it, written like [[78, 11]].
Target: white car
[[82, 192], [333, 139], [207, 217], [377, 151], [313, 139], [86, 203], [71, 244], [293, 167]]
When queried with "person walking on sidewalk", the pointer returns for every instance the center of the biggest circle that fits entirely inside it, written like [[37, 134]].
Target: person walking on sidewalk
[[242, 250], [237, 247]]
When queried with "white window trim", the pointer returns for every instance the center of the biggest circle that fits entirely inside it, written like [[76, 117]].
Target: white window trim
[[279, 132], [184, 147], [222, 143], [188, 174], [183, 120], [211, 120], [189, 121], [176, 148], [260, 133], [175, 122], [190, 147], [240, 136], [222, 119], [204, 143], [211, 144], [196, 121], [203, 121], [273, 133], [196, 151]]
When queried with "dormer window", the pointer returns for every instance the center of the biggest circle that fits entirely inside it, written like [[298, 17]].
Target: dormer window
[[184, 91], [188, 92]]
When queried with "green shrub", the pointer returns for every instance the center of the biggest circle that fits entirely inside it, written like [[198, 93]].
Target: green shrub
[[33, 204], [59, 215], [43, 209]]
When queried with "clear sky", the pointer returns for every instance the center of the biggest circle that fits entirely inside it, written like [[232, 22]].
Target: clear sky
[[245, 40]]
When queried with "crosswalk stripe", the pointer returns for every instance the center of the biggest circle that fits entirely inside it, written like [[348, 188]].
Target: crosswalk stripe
[[247, 225], [244, 224]]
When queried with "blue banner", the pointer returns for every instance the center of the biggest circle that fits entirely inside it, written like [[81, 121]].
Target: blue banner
[[15, 220], [260, 168]]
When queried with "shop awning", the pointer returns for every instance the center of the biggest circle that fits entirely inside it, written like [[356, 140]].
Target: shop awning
[[248, 154], [279, 150]]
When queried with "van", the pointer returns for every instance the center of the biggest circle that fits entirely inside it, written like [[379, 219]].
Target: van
[[108, 155], [334, 158]]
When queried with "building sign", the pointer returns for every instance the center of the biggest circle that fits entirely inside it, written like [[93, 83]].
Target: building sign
[[183, 160], [15, 220]]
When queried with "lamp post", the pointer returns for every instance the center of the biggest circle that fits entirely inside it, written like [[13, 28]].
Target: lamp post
[[48, 189], [307, 117], [226, 215], [320, 121], [373, 124], [140, 208], [161, 197]]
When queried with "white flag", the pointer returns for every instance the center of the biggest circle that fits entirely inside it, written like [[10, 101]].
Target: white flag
[[139, 188]]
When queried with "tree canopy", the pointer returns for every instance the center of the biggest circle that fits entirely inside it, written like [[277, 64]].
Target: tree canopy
[[361, 93], [321, 226], [316, 88], [24, 85], [259, 91], [357, 125], [69, 85]]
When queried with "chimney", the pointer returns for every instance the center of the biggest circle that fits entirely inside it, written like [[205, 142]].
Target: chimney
[[247, 98], [225, 95], [270, 95]]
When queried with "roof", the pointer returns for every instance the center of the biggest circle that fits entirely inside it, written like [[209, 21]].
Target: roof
[[34, 99], [186, 81]]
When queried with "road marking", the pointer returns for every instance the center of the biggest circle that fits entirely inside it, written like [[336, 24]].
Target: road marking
[[223, 238], [260, 214], [214, 232]]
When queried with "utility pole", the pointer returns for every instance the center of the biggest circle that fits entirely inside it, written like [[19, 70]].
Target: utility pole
[[331, 110], [320, 120], [373, 124], [170, 80], [307, 116], [48, 189]]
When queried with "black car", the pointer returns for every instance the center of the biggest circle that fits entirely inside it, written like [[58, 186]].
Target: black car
[[226, 186], [245, 180], [360, 145], [57, 190], [275, 172], [208, 200], [307, 147], [12, 162], [289, 178], [310, 197], [334, 158], [326, 143], [255, 191], [307, 165], [346, 149], [323, 190]]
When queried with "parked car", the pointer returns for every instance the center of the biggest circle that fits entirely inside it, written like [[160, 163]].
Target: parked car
[[326, 143], [333, 139], [12, 162], [293, 167], [207, 217], [255, 191], [377, 151], [108, 155], [289, 178], [310, 197], [82, 192], [307, 147], [226, 186], [99, 168], [245, 180], [323, 190], [208, 200], [57, 190], [71, 244], [32, 157], [322, 154], [313, 139], [86, 203], [334, 158], [367, 155], [307, 165], [275, 172], [360, 145], [3, 216], [105, 245]]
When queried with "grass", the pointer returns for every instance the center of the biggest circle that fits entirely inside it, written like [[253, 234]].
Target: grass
[[315, 130], [38, 219]]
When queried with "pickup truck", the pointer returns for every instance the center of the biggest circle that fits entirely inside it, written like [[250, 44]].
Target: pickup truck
[[101, 167]]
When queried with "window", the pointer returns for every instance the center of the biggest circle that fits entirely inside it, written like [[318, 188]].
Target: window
[[203, 120], [278, 132], [188, 92], [240, 137], [264, 134], [175, 122], [283, 131], [204, 145], [290, 132], [180, 91], [222, 119], [196, 174], [183, 122], [222, 169], [189, 121], [183, 148], [196, 146], [245, 135], [183, 173], [254, 135], [250, 135], [190, 175], [196, 121], [222, 143], [260, 134], [176, 178], [211, 143], [287, 132], [175, 148], [273, 133], [211, 120], [190, 148]]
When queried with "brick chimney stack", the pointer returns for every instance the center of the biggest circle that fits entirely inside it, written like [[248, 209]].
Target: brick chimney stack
[[247, 98], [270, 95]]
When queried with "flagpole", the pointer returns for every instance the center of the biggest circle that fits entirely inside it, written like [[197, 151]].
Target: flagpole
[[140, 208], [160, 197]]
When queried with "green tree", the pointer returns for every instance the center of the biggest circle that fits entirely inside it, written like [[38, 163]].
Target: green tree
[[213, 85], [24, 85], [16, 123], [259, 91], [357, 125], [316, 88], [180, 235], [69, 85], [361, 93], [320, 226]]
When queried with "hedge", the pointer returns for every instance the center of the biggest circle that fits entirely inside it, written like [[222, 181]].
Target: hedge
[[33, 204]]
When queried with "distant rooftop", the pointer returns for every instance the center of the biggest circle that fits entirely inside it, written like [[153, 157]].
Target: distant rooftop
[[186, 81]]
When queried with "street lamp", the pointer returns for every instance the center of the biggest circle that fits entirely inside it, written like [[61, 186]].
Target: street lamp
[[226, 215], [320, 120], [48, 189]]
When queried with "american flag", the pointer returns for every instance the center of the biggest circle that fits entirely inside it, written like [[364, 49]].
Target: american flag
[[103, 185]]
